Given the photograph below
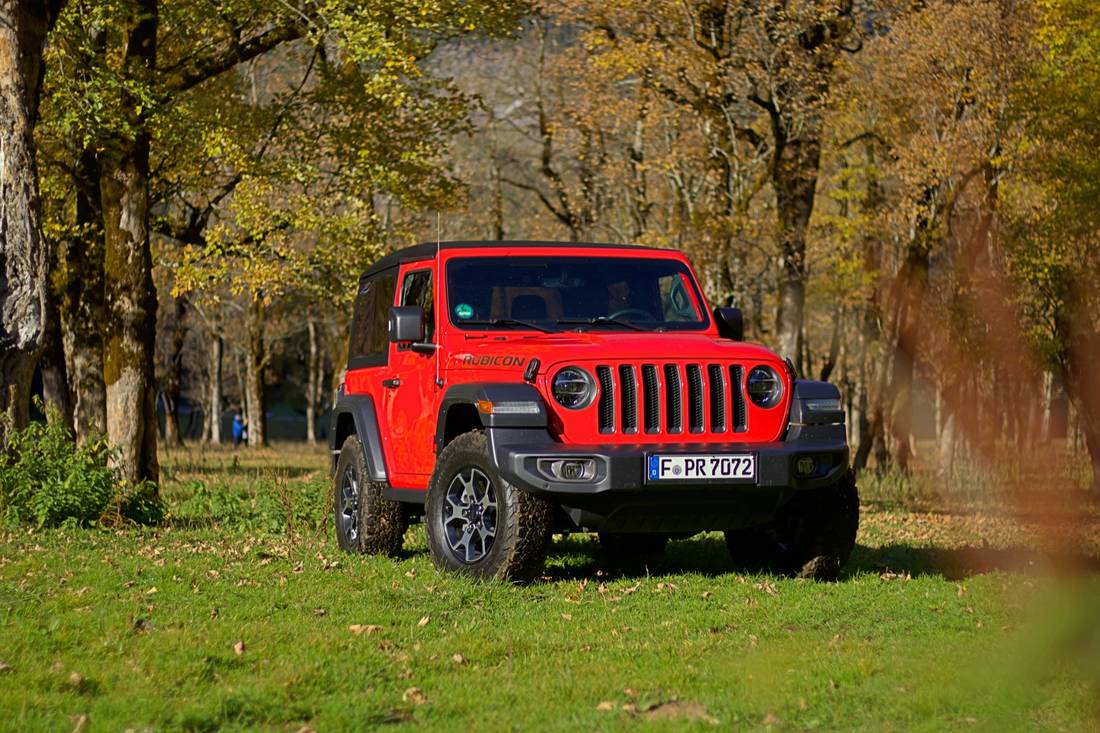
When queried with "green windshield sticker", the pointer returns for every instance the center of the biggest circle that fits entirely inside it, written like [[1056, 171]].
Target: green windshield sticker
[[462, 310]]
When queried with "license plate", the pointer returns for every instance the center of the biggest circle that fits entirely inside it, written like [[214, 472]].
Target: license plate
[[702, 467]]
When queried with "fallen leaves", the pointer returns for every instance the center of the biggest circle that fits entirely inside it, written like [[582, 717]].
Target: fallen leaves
[[415, 696], [673, 709], [458, 659], [768, 587], [239, 648], [575, 597], [368, 629], [679, 710], [79, 684], [424, 620], [6, 668], [887, 574]]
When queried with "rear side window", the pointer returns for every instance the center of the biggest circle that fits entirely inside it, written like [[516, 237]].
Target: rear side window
[[416, 289], [369, 341]]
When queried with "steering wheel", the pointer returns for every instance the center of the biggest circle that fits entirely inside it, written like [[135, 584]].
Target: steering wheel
[[645, 315]]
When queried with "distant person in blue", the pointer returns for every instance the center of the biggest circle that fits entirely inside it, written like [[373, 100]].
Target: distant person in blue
[[240, 430]]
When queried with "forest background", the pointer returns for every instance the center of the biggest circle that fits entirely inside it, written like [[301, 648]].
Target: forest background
[[901, 196]]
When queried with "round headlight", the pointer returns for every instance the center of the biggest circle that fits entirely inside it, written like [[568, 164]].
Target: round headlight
[[764, 386], [574, 388]]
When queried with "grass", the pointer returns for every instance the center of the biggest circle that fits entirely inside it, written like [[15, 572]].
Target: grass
[[238, 614]]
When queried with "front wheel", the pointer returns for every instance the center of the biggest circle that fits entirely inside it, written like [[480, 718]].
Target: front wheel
[[478, 523]]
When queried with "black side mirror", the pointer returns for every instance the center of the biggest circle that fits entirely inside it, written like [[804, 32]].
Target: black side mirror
[[406, 324], [730, 323]]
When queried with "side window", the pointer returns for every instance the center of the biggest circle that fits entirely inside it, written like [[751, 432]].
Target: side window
[[416, 289], [368, 340]]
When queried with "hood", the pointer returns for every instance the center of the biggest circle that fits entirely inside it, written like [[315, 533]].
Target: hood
[[494, 351]]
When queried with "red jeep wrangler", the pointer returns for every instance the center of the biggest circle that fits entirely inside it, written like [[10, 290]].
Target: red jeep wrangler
[[504, 391]]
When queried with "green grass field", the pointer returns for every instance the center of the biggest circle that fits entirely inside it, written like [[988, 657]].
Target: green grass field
[[240, 613]]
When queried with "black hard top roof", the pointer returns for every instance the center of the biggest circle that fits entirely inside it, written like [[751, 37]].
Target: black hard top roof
[[428, 249]]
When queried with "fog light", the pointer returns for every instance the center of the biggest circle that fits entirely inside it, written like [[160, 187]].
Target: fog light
[[805, 466], [572, 470], [568, 469]]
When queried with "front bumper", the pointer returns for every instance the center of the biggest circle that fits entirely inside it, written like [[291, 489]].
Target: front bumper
[[619, 498]]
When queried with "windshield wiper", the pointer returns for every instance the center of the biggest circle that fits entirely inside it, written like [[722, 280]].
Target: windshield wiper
[[598, 321], [507, 322]]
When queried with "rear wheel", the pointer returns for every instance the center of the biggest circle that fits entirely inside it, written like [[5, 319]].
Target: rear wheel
[[478, 523], [365, 521], [813, 536]]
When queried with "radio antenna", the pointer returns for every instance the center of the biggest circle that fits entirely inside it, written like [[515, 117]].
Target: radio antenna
[[435, 298]]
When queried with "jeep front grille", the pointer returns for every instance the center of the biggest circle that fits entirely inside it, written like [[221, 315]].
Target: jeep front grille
[[672, 398]]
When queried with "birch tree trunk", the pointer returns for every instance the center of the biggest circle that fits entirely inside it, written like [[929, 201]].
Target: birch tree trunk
[[214, 418], [131, 299], [24, 255], [313, 388]]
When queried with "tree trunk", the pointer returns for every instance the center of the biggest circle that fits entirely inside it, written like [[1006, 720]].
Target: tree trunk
[[173, 367], [907, 298], [1082, 352], [313, 388], [83, 306], [794, 177], [131, 299], [24, 255], [214, 418], [255, 364], [55, 385]]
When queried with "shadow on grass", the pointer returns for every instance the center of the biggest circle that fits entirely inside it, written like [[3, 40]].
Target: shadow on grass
[[963, 562], [579, 557]]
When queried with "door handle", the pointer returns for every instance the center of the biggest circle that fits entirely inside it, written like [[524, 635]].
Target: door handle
[[391, 383]]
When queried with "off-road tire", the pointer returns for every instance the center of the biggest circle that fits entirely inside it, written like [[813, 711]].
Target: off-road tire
[[380, 524], [812, 537], [623, 547], [522, 521]]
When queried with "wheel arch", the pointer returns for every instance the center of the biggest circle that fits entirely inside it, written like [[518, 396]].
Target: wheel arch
[[459, 410], [355, 415]]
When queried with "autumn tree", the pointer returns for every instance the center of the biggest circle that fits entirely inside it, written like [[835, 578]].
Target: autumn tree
[[1055, 258]]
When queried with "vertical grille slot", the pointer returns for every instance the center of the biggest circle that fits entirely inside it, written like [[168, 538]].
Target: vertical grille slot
[[717, 398], [673, 404], [695, 398], [651, 392], [607, 399], [737, 395], [629, 385]]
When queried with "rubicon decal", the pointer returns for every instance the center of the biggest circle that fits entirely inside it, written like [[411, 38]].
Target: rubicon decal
[[498, 360]]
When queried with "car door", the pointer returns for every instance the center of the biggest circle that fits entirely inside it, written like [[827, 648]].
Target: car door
[[411, 396]]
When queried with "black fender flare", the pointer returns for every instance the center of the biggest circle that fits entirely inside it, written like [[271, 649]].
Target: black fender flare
[[474, 393], [361, 409]]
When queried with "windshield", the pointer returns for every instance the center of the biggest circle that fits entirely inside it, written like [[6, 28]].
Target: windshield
[[567, 293]]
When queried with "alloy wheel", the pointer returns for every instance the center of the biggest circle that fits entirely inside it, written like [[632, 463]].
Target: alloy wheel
[[470, 515]]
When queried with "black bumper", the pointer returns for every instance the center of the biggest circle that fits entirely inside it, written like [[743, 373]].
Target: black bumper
[[620, 498]]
